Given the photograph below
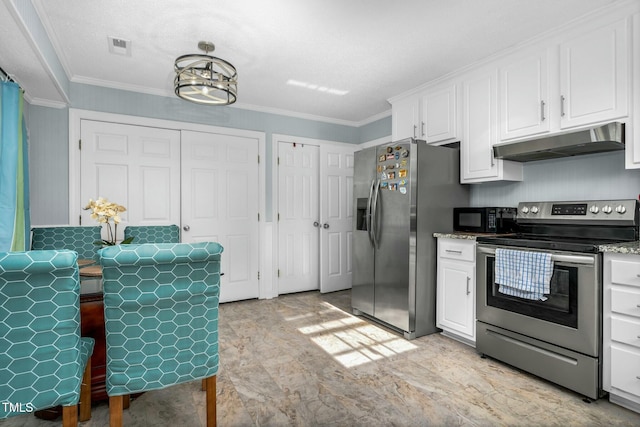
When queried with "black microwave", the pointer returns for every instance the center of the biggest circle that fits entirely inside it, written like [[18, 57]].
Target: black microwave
[[485, 220]]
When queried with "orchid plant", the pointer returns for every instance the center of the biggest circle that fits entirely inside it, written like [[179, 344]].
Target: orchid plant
[[106, 212]]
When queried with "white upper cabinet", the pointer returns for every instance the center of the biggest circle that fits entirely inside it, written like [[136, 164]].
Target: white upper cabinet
[[480, 132], [431, 115], [577, 82], [632, 155], [594, 76], [440, 114], [583, 75], [524, 96], [405, 117]]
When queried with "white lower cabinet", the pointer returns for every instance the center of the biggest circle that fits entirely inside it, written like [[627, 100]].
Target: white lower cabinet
[[621, 329], [455, 308]]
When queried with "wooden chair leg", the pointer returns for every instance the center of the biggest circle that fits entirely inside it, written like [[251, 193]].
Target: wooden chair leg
[[126, 400], [70, 416], [204, 384], [85, 393], [211, 401], [115, 411]]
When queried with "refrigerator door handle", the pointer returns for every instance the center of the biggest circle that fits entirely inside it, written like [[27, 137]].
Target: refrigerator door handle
[[368, 213], [374, 215]]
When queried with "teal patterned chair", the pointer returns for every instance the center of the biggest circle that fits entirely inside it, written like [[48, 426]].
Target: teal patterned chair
[[152, 234], [79, 239], [43, 360], [161, 319]]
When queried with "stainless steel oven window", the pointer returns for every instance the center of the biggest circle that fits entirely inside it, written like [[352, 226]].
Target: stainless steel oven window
[[561, 306]]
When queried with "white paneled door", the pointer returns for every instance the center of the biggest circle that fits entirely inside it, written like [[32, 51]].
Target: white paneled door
[[336, 205], [208, 183], [315, 185], [135, 166], [220, 202], [298, 217]]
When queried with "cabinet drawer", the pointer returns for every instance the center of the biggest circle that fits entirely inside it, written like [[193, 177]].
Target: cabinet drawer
[[462, 250], [625, 272], [626, 331], [625, 302], [625, 370]]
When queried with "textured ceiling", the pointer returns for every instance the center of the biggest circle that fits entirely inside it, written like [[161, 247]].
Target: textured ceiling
[[372, 49]]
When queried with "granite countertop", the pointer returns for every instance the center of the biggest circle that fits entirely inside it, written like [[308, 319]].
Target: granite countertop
[[622, 248], [617, 248], [462, 235]]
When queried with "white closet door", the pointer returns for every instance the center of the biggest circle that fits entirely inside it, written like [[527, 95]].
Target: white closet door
[[135, 166], [336, 201], [298, 210], [220, 185]]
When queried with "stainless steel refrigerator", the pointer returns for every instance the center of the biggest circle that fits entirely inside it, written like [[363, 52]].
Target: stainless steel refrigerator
[[403, 192]]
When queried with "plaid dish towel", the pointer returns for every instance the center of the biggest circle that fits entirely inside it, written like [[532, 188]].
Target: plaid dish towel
[[523, 274]]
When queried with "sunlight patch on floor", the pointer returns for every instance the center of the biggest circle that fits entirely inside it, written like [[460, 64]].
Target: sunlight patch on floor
[[352, 341]]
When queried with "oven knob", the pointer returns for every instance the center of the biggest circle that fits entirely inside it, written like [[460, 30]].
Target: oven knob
[[525, 210], [607, 209], [621, 209], [534, 209], [594, 209]]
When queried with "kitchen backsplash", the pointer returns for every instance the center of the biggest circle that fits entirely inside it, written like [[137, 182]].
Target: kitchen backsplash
[[587, 177]]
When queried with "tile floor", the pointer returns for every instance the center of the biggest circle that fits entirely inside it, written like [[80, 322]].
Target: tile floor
[[304, 360]]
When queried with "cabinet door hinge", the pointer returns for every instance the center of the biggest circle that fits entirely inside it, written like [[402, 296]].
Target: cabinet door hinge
[[278, 272], [258, 216], [258, 275], [278, 161], [258, 158], [278, 216], [80, 144], [80, 219]]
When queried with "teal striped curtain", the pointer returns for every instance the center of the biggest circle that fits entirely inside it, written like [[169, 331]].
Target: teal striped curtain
[[15, 224]]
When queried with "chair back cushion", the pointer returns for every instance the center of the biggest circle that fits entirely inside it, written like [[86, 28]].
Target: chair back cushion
[[161, 314], [40, 363], [79, 239], [152, 233]]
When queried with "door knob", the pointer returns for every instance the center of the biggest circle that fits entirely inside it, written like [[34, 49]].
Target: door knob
[[325, 226], [316, 224], [186, 228]]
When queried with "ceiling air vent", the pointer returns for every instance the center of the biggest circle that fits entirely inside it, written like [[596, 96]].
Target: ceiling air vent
[[119, 46]]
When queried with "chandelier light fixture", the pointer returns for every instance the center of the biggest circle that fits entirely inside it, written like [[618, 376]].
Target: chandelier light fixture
[[205, 79]]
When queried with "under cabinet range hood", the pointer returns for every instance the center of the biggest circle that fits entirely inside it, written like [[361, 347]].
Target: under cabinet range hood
[[608, 137]]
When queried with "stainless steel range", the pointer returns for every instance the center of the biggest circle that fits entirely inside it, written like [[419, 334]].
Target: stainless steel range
[[556, 331]]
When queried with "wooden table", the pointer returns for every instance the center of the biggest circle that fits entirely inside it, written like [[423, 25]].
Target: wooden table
[[93, 271], [91, 325], [85, 262]]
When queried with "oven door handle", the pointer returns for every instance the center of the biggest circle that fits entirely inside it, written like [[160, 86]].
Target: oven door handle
[[572, 259]]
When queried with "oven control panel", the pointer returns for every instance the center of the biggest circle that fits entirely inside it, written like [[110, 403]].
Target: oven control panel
[[569, 209], [599, 210]]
